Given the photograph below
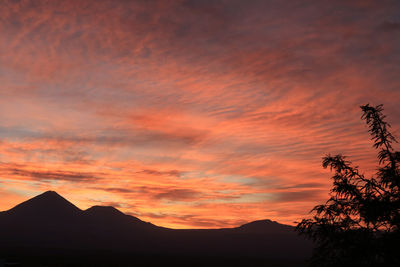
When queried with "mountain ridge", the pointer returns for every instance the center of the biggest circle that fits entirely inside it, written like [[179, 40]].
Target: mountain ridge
[[45, 203], [50, 222], [53, 201]]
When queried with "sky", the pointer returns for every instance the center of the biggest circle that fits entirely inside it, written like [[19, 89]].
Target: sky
[[191, 114]]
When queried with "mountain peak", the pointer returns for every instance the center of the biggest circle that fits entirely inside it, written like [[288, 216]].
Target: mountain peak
[[49, 194], [104, 210], [49, 203], [259, 222], [265, 226]]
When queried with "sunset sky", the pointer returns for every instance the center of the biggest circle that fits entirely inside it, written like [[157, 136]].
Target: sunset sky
[[191, 114]]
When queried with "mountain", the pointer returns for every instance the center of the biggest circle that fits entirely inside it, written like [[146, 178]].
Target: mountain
[[265, 227], [48, 204], [49, 222]]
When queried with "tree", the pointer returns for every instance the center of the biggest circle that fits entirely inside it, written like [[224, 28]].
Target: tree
[[359, 225]]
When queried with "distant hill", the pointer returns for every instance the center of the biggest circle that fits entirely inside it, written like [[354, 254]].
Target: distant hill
[[49, 224]]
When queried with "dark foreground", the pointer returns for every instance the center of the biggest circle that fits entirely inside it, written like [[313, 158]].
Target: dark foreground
[[51, 257]]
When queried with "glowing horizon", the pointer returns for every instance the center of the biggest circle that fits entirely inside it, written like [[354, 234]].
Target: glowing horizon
[[191, 114]]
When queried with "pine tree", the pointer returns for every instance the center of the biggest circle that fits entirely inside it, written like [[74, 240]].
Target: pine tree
[[359, 225]]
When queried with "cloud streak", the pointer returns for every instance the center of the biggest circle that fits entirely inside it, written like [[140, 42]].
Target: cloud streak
[[12, 170]]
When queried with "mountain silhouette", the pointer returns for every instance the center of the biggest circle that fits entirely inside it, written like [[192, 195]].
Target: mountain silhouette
[[49, 222], [48, 204], [265, 226]]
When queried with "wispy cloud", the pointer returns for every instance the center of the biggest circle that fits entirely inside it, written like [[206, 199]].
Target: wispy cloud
[[10, 170]]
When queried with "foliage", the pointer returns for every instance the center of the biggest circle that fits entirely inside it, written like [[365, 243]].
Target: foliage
[[359, 225]]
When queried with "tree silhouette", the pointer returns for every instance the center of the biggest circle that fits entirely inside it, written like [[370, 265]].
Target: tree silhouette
[[359, 225]]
